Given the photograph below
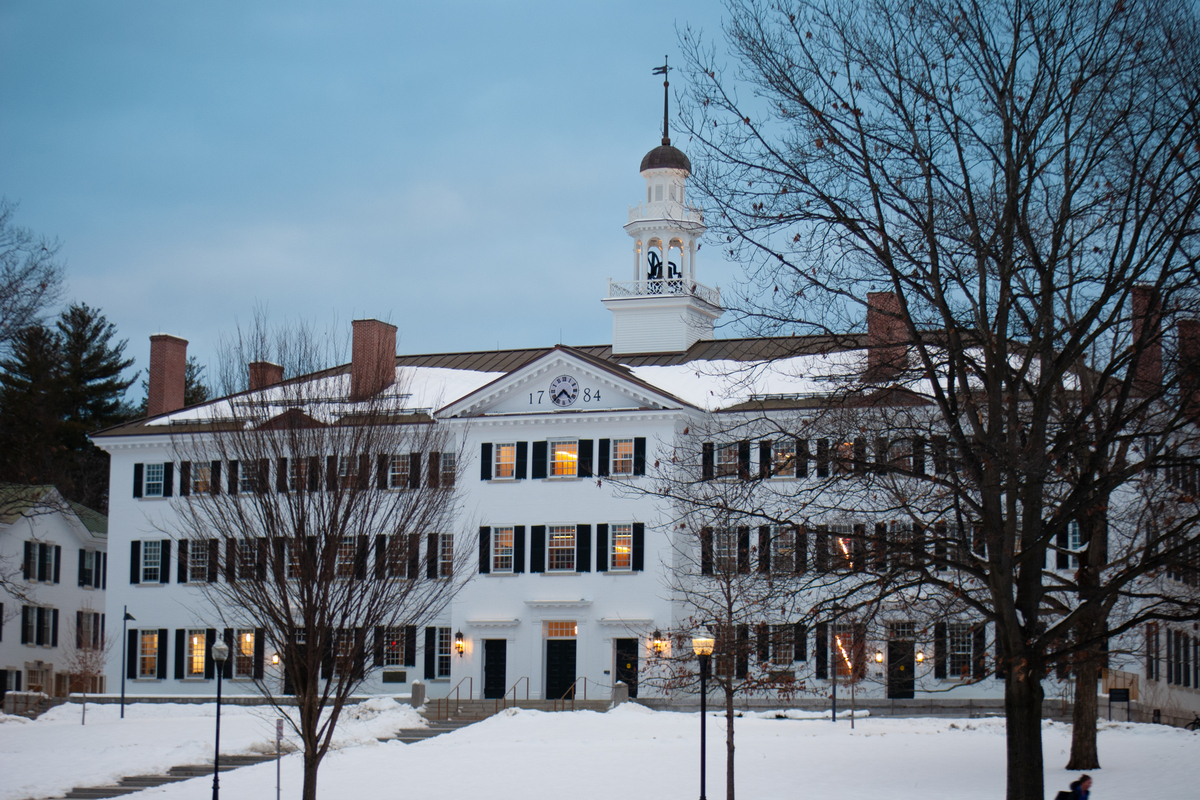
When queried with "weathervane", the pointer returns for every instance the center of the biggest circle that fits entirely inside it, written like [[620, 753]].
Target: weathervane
[[663, 70]]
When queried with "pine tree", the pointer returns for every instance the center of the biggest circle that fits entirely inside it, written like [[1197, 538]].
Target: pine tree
[[30, 407]]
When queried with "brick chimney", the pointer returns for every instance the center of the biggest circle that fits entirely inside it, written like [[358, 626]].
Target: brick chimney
[[1147, 323], [886, 335], [264, 373], [168, 369], [1189, 366], [373, 360]]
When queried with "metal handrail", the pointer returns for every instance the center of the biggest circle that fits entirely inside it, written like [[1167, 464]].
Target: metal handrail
[[457, 696], [571, 691], [502, 703]]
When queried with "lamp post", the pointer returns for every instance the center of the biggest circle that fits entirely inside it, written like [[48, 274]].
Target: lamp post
[[702, 645], [124, 647], [220, 652]]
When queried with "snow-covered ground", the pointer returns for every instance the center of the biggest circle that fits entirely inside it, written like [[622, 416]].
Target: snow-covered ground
[[521, 755]]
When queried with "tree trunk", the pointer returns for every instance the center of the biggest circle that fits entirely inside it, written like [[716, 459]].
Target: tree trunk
[[729, 746], [1084, 755], [311, 762], [1023, 726]]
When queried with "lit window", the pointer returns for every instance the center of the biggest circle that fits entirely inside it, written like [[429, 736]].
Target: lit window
[[783, 549], [505, 461], [842, 548], [562, 547], [502, 549], [443, 652], [298, 474], [197, 560], [446, 555], [195, 654], [153, 486], [398, 467], [621, 557], [243, 656], [151, 561], [844, 458], [148, 654], [622, 457], [783, 458], [564, 458], [568, 629], [346, 556], [201, 478], [849, 649], [727, 460], [393, 647]]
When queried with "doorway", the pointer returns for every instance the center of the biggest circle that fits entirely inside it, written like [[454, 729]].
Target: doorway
[[627, 664], [901, 669], [495, 666], [560, 668]]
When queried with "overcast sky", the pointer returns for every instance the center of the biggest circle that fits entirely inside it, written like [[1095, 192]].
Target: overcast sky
[[463, 169]]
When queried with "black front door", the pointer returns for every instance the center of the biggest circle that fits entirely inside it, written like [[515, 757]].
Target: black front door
[[495, 663], [560, 668], [902, 663], [627, 663]]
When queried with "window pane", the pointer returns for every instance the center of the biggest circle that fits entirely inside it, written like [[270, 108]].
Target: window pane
[[298, 474], [443, 652], [446, 555], [783, 458], [347, 550], [506, 461], [725, 549], [622, 547], [393, 647], [151, 560], [398, 472], [727, 460], [197, 561], [622, 457], [154, 481], [449, 462], [502, 550], [959, 645], [196, 647], [783, 549], [148, 654], [201, 478], [562, 547], [564, 459]]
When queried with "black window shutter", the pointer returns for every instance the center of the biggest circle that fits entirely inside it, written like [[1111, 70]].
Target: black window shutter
[[601, 548], [639, 455], [381, 559], [518, 548], [860, 455], [231, 560], [763, 642], [583, 548], [881, 546], [26, 624], [137, 479], [82, 553], [602, 457], [764, 458], [43, 572], [185, 478], [707, 462], [485, 550], [214, 558], [214, 477], [377, 646], [54, 627], [430, 653], [537, 558], [414, 556], [331, 473], [410, 645], [822, 458], [27, 568], [102, 581], [57, 563], [135, 562], [414, 470], [382, 470], [435, 470], [164, 567], [764, 548], [227, 673], [706, 551], [586, 455], [210, 638], [802, 458], [979, 652], [1062, 558], [821, 649], [168, 479], [160, 657], [801, 552], [743, 555], [639, 547], [314, 473], [131, 655], [281, 475], [259, 652], [939, 454], [231, 483], [918, 455], [180, 645], [364, 472], [431, 557], [881, 455], [744, 460], [939, 650], [743, 651], [181, 576], [361, 556], [522, 467], [800, 638], [539, 460], [485, 461]]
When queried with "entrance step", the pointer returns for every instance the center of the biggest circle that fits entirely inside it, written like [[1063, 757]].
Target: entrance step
[[447, 708], [136, 783]]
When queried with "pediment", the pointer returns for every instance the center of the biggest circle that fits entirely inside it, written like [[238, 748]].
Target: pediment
[[562, 382]]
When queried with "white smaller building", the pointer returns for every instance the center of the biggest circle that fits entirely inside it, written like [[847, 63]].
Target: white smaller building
[[53, 564]]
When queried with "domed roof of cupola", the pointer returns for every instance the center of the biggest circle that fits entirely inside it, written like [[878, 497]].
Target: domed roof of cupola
[[666, 157]]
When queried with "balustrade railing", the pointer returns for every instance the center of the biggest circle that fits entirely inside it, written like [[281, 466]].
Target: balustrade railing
[[664, 209], [665, 287]]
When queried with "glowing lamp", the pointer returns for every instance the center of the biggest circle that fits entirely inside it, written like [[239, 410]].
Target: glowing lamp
[[275, 659], [656, 642], [703, 643], [920, 656], [459, 644], [878, 656]]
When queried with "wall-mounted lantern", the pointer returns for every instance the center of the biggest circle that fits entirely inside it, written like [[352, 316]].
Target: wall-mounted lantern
[[459, 644], [656, 642]]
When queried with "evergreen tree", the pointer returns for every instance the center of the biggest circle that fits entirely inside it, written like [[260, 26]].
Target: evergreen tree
[[30, 407], [195, 390]]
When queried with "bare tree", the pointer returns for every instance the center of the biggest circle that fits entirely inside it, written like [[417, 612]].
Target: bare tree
[[85, 658], [30, 275], [19, 504], [1007, 174], [328, 511]]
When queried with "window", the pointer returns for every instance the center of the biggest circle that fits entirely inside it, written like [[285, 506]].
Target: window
[[446, 555], [197, 560], [45, 623], [1074, 542], [87, 630], [567, 629], [42, 562], [397, 555], [725, 543], [247, 555], [783, 458], [502, 549], [443, 652], [564, 458], [398, 468], [151, 561], [196, 648], [783, 549], [782, 645], [347, 471], [393, 647], [243, 654], [658, 191], [843, 458], [201, 477], [249, 477], [148, 654], [621, 557], [727, 460], [87, 567], [449, 469], [346, 555], [343, 651], [298, 474], [505, 467], [153, 486], [293, 558], [622, 457], [849, 649], [561, 547], [959, 649], [842, 555]]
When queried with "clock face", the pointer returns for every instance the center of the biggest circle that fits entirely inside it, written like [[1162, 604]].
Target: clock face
[[563, 390]]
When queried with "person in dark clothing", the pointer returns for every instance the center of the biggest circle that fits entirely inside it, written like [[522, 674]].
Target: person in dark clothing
[[1082, 788]]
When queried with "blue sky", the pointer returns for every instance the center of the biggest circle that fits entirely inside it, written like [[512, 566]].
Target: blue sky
[[460, 168]]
